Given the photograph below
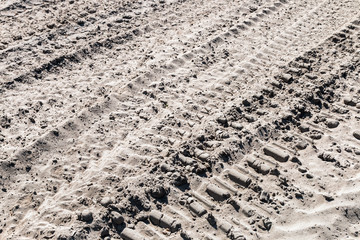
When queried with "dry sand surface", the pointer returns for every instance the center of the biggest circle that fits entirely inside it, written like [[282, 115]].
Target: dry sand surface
[[180, 119]]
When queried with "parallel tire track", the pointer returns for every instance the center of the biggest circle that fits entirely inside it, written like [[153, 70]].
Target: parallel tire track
[[231, 176]]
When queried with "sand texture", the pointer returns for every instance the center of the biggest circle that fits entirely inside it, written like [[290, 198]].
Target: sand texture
[[180, 119]]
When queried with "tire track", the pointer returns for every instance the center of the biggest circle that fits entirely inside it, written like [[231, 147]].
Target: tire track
[[143, 150], [45, 143], [225, 192], [42, 73]]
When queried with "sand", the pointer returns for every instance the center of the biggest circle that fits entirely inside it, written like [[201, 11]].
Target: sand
[[180, 119]]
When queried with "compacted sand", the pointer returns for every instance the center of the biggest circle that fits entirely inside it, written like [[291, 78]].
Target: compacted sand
[[180, 119]]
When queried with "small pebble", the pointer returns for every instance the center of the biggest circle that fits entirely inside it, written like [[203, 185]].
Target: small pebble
[[356, 134], [104, 232], [237, 125], [106, 201], [332, 124], [315, 135], [308, 175], [301, 145], [286, 78], [328, 198], [304, 128], [246, 103], [117, 218], [276, 84], [298, 195], [349, 101], [166, 168], [158, 191], [349, 150], [86, 216], [311, 77], [222, 120], [250, 118]]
